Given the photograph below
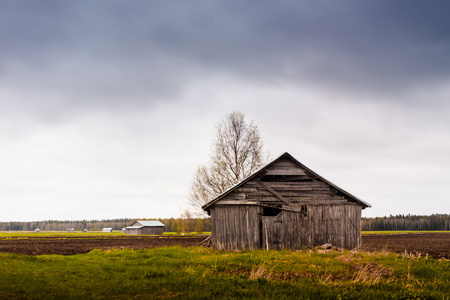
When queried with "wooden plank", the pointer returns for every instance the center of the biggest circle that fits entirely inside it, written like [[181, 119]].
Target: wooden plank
[[290, 194], [292, 188], [246, 190], [313, 184], [239, 202], [291, 178], [286, 172], [285, 163], [271, 191]]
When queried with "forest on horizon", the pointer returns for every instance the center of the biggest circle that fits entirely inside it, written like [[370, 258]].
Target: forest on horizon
[[179, 225]]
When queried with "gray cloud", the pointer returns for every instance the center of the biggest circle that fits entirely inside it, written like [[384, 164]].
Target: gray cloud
[[107, 88], [158, 48]]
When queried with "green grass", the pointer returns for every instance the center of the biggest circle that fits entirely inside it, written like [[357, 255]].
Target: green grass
[[201, 273], [403, 232], [191, 233]]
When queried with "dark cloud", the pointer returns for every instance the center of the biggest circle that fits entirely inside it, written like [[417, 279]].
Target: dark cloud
[[105, 51]]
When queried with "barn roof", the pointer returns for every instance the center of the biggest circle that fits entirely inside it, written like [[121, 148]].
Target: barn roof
[[288, 156], [149, 223]]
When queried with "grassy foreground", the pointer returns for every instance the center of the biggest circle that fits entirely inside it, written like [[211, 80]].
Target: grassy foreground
[[200, 273]]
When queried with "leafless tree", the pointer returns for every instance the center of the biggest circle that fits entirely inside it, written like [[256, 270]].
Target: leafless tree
[[237, 152]]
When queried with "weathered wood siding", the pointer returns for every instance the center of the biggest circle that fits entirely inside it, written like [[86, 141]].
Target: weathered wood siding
[[153, 230], [144, 230], [242, 227], [338, 225], [312, 212], [133, 231], [235, 227]]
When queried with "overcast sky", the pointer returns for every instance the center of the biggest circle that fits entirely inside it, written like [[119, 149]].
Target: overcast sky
[[108, 107]]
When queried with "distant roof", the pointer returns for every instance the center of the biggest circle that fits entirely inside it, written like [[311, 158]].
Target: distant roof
[[134, 227], [149, 223], [286, 155]]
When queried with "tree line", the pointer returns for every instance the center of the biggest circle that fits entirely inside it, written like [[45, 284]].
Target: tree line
[[406, 222], [189, 224], [178, 225]]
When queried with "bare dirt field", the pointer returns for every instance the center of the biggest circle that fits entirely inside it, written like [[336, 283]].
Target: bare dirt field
[[434, 244], [75, 245]]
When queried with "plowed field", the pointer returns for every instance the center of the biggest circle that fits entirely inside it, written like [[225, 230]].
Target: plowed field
[[435, 244], [75, 245]]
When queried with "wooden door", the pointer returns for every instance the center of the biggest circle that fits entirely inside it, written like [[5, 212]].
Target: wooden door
[[271, 232]]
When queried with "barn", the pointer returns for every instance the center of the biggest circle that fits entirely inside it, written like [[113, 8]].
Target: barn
[[285, 205], [145, 227]]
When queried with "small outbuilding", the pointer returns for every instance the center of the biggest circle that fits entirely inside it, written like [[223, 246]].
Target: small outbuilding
[[70, 229], [285, 205], [145, 227], [107, 229]]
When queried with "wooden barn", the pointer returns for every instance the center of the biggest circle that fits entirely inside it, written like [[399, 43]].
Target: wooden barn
[[145, 227], [285, 205]]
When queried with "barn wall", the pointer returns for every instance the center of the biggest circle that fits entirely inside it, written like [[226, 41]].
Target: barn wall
[[235, 227], [153, 230], [338, 225], [133, 231], [241, 227]]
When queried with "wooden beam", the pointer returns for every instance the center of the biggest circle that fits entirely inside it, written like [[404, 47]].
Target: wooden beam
[[291, 178], [268, 188]]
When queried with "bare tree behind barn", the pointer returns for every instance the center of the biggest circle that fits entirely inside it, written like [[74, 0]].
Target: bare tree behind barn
[[237, 153], [285, 205]]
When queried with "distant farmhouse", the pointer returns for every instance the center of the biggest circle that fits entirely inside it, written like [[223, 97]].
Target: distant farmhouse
[[145, 227], [107, 229], [285, 205]]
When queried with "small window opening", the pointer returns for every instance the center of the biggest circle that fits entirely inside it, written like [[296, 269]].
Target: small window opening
[[271, 211], [304, 210]]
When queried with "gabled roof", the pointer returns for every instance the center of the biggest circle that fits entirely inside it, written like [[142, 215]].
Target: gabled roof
[[149, 223], [288, 156]]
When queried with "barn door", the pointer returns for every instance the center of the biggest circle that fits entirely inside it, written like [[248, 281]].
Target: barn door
[[271, 232]]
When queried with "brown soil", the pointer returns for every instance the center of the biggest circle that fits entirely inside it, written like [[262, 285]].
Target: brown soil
[[434, 244], [75, 245]]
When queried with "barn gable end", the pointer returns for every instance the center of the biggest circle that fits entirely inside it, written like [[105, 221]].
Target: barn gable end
[[285, 205]]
